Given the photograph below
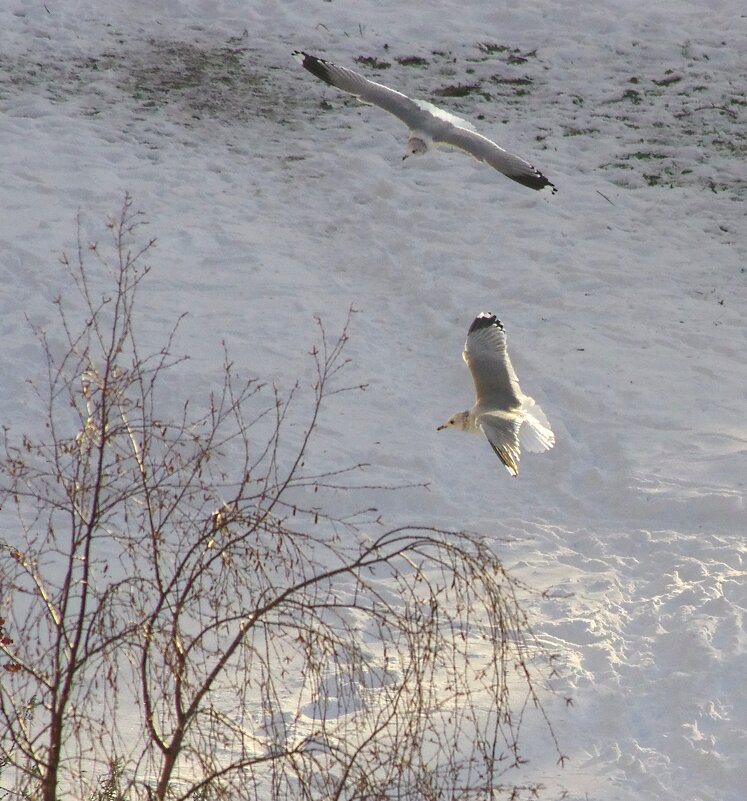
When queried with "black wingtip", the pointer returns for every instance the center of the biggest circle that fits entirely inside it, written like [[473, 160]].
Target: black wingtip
[[550, 185], [507, 459], [316, 66], [536, 181], [485, 320]]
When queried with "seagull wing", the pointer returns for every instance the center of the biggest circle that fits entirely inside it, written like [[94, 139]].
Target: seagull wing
[[496, 384], [366, 91], [484, 149], [503, 435]]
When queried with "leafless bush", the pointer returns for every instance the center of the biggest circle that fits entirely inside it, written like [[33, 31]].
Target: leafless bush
[[186, 616]]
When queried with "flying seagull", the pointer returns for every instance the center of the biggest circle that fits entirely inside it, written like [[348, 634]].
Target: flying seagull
[[505, 415], [428, 125]]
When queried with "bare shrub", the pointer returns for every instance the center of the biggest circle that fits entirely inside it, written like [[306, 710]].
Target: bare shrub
[[185, 615]]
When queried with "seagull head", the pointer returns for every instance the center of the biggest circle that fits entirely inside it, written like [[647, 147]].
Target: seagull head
[[415, 147], [460, 421]]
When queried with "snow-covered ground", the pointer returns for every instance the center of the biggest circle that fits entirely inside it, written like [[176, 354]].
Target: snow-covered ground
[[275, 198]]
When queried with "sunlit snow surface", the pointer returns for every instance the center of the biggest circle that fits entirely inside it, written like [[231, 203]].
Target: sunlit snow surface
[[625, 295]]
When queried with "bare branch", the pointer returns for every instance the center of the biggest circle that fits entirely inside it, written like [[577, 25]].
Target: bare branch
[[199, 619]]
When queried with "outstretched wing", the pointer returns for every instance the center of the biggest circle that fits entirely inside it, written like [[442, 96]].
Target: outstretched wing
[[503, 435], [496, 385], [366, 91], [484, 149]]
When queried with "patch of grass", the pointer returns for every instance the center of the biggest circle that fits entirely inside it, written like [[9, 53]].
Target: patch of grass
[[491, 47], [645, 155], [511, 81], [633, 96], [373, 62], [580, 131], [458, 90], [185, 66], [513, 54], [198, 82], [195, 81], [412, 61], [669, 80], [517, 57]]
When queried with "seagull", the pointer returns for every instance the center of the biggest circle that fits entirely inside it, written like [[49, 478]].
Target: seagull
[[502, 412], [428, 125]]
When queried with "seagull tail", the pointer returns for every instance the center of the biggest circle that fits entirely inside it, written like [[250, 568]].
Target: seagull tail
[[535, 433]]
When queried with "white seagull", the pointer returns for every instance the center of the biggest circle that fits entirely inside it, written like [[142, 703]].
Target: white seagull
[[428, 125], [505, 415]]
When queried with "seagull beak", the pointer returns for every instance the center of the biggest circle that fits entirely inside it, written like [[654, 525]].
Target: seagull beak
[[440, 428], [405, 156]]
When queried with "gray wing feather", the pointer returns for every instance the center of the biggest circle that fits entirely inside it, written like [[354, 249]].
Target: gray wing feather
[[484, 149], [496, 384], [367, 91]]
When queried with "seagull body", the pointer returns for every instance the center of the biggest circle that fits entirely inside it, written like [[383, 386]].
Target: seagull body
[[428, 125], [502, 412]]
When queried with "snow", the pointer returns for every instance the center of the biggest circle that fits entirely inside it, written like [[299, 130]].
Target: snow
[[624, 296]]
